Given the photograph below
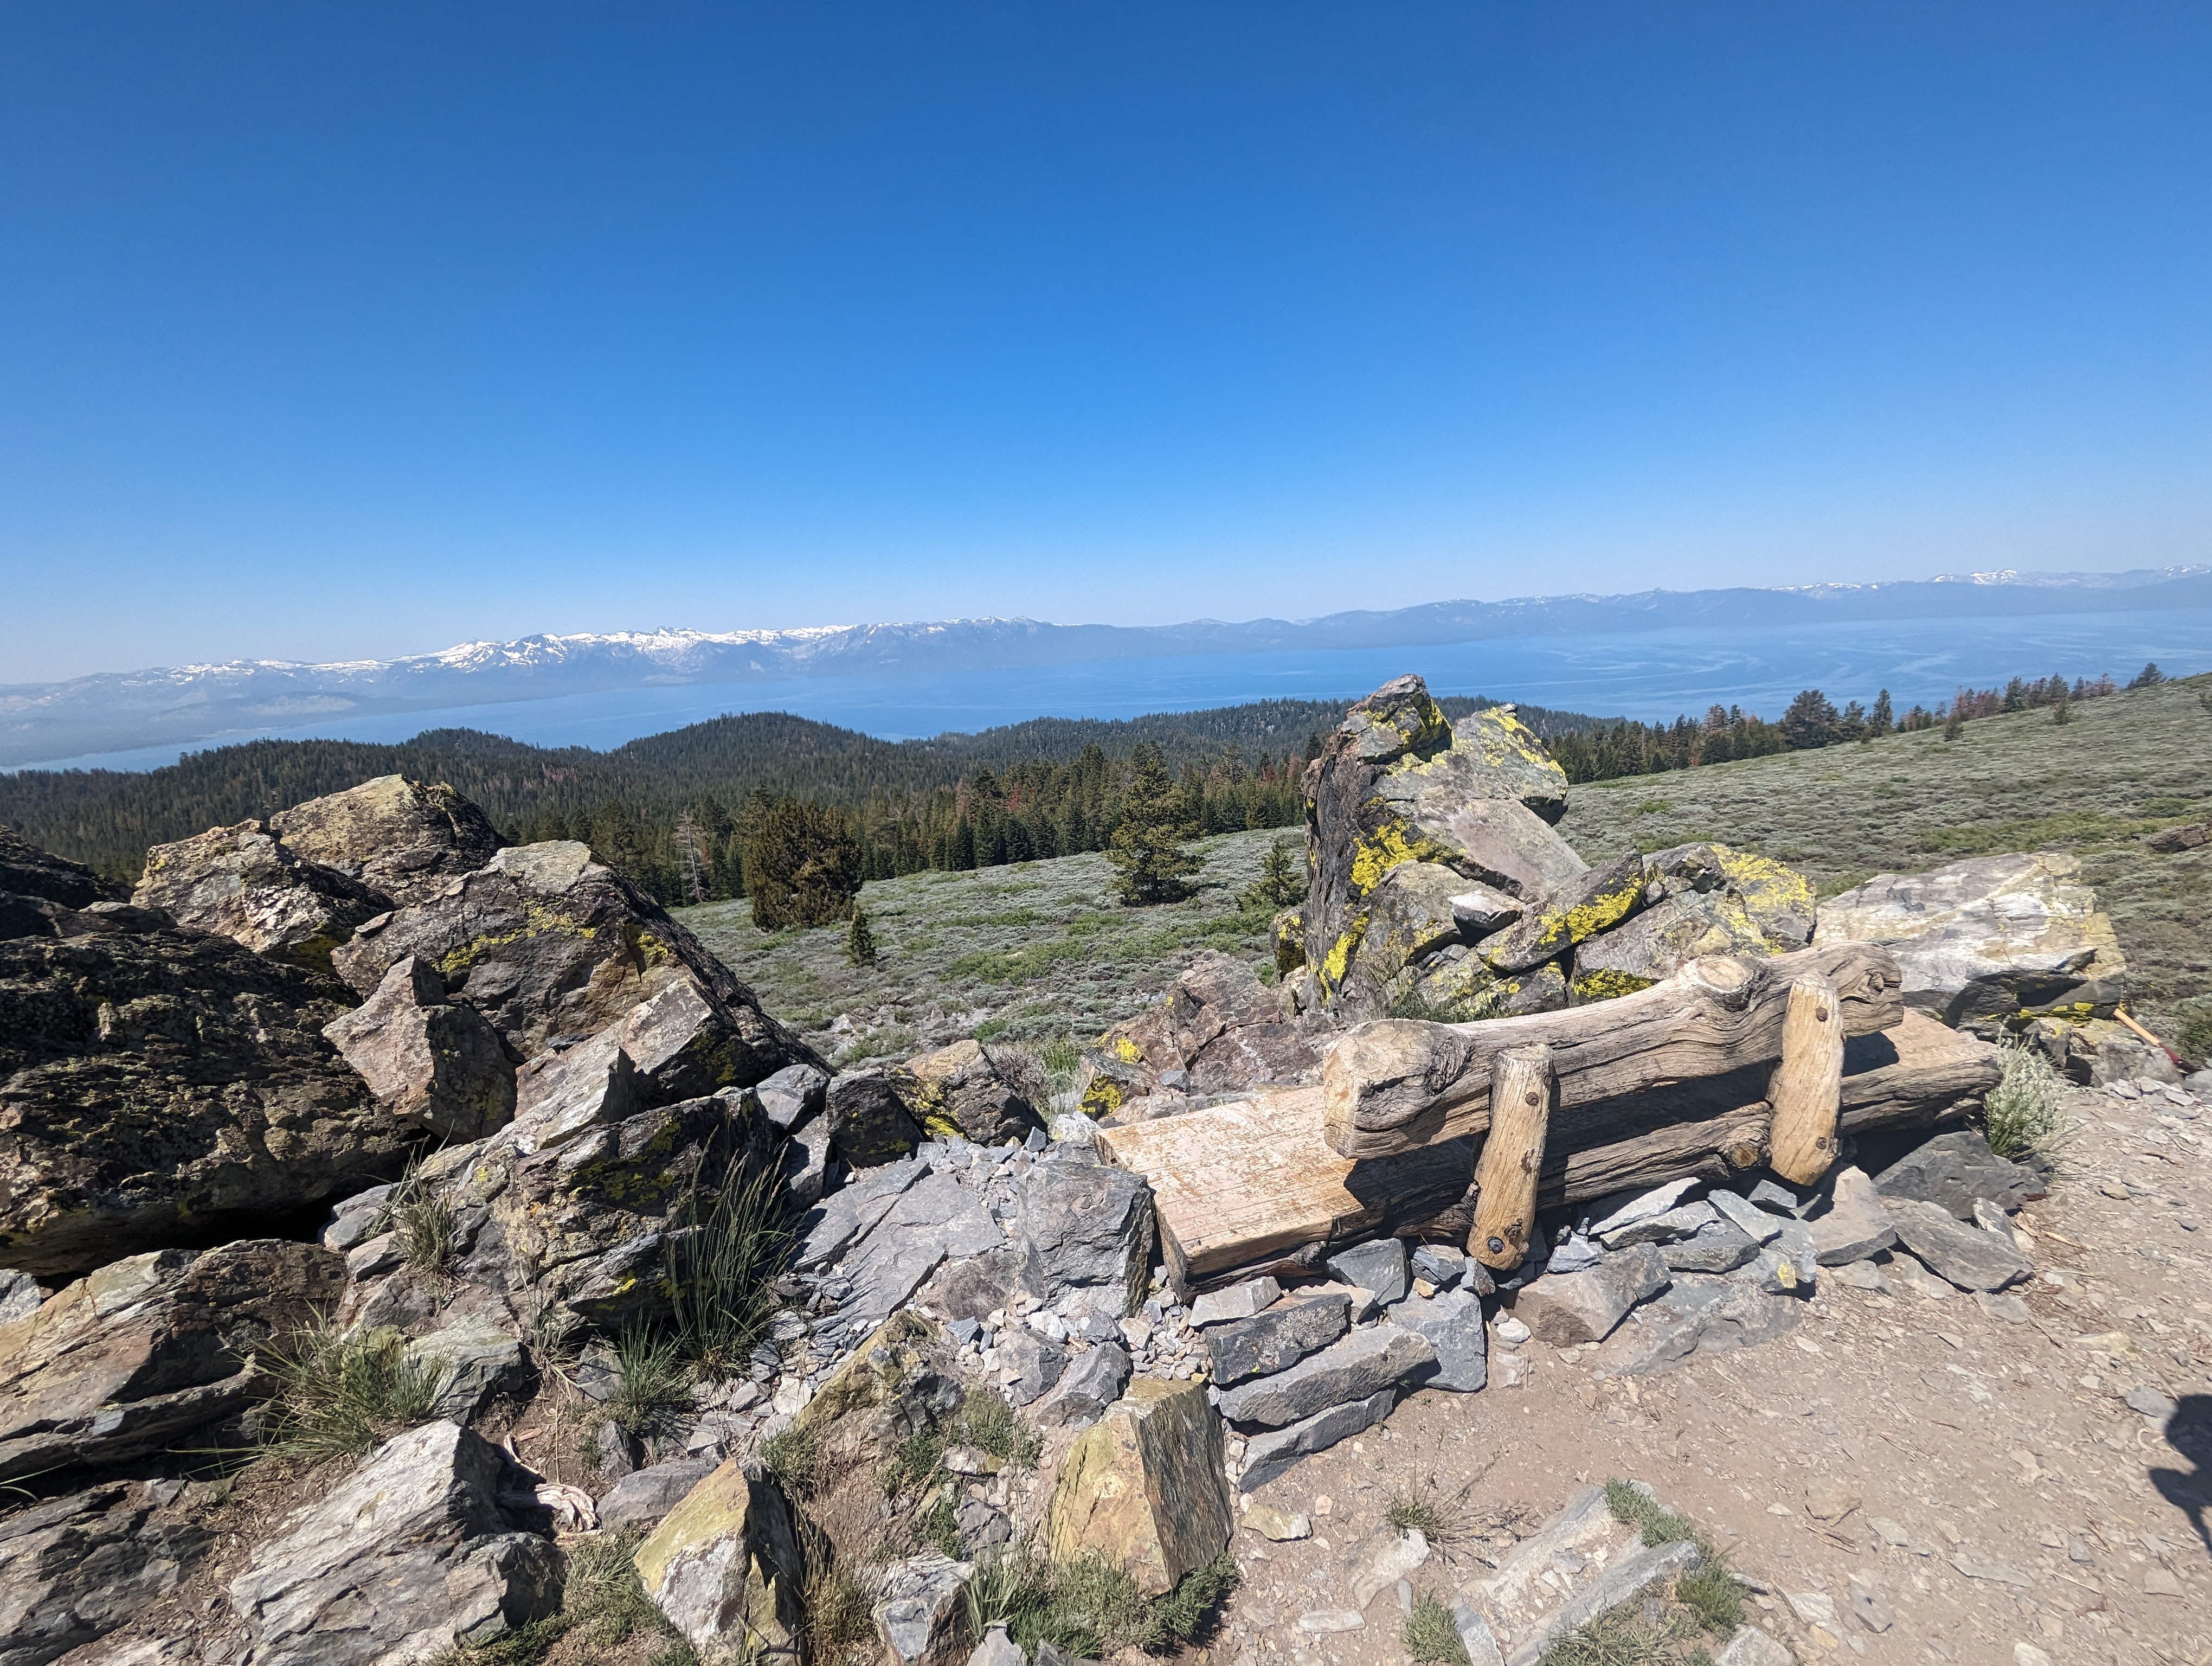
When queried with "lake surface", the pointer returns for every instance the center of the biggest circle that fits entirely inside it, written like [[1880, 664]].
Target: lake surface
[[1653, 675]]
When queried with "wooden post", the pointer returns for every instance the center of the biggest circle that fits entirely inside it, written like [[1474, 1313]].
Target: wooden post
[[1806, 1089], [1522, 1085]]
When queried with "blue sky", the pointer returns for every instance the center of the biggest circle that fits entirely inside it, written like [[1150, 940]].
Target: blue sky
[[350, 330]]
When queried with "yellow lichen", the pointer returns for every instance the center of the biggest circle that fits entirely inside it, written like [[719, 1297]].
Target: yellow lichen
[[1338, 957], [1377, 853], [1602, 984], [938, 1126], [1126, 1050], [1103, 1097]]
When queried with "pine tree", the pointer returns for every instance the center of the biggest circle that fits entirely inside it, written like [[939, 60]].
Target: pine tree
[[1280, 884], [1953, 723], [1883, 718], [802, 867], [1147, 845], [2061, 709], [2148, 677], [859, 941]]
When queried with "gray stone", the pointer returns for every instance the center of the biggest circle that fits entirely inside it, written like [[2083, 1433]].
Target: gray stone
[[1856, 1225], [869, 1121], [1451, 1320], [410, 1553], [1378, 1265], [1868, 1608], [474, 1359], [975, 1286], [1750, 1646], [1239, 1301], [74, 1568], [1966, 1255], [1567, 914], [935, 1218], [1795, 1243], [685, 1044], [562, 1092], [240, 883], [1774, 1198], [1384, 1557], [433, 1061], [1719, 1246], [1476, 1637], [1860, 1275], [1481, 909], [1610, 1214], [2150, 1402], [644, 1496], [1763, 1227], [1684, 1221], [1569, 1308], [404, 838], [2010, 1309], [1034, 1363], [1276, 1340], [1758, 907], [1953, 1171], [918, 1615], [826, 1231], [1577, 1255], [1700, 1314], [980, 1528], [1086, 1389], [997, 1649], [794, 1095], [1084, 1225], [960, 1085], [1268, 1454], [357, 1217], [1624, 1582], [803, 1165], [20, 1296], [1438, 1264], [1361, 1364]]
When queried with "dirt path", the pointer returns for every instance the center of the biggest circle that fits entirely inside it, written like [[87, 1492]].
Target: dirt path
[[2002, 1492]]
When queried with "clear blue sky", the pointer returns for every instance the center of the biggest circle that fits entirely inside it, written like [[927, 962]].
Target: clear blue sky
[[333, 330]]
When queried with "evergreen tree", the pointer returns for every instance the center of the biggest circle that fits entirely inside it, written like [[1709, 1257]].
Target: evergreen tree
[[1280, 883], [2148, 677], [1881, 720], [859, 941], [1953, 722], [1810, 721], [1147, 845], [2061, 709], [803, 865]]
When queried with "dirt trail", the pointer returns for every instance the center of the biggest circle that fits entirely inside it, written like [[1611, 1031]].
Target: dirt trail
[[2002, 1491]]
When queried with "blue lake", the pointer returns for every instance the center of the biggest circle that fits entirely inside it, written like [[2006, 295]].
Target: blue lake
[[1655, 675]]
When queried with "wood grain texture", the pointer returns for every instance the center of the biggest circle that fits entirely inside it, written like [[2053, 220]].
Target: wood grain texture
[[1806, 1085], [1394, 1084], [1522, 1086]]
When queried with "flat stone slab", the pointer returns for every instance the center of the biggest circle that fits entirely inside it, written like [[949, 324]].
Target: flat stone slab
[[644, 1496], [1622, 1582], [1955, 1170], [1718, 1246], [1964, 1256], [1452, 1322], [1267, 1455], [1276, 1340], [1362, 1364], [1239, 1301], [1569, 1308], [1378, 1265], [1857, 1226]]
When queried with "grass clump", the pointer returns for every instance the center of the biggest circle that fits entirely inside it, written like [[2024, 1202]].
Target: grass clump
[[1089, 1607], [1704, 1600], [1639, 1509], [1711, 1594], [2021, 1115], [840, 1625], [420, 1217], [793, 1460], [1632, 1634], [719, 1272], [1431, 1638], [653, 1383], [603, 1606], [339, 1393], [981, 1421]]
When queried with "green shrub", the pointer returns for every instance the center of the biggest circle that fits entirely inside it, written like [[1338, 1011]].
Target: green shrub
[[1090, 1607], [2192, 1033], [339, 1394], [653, 1383], [720, 1275], [1710, 1593], [802, 865], [603, 1606], [2021, 1115], [1431, 1636], [1661, 1526]]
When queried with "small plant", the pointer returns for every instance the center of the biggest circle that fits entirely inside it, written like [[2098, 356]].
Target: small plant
[[989, 1425], [1710, 1593], [420, 1217], [1188, 1610], [859, 939], [1431, 1636], [653, 1383], [2021, 1115], [1639, 1509], [1624, 1637], [603, 1606], [1061, 1056], [339, 1394], [837, 1610], [1280, 882], [719, 1275], [1439, 1520], [2192, 1033], [793, 1458]]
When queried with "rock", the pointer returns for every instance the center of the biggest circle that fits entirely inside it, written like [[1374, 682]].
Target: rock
[[473, 1358], [803, 1165], [564, 1090], [1033, 1364], [848, 1214], [548, 945], [1622, 1210], [1378, 1265], [1408, 917], [1511, 1331], [398, 836], [435, 1063], [1219, 1028], [918, 1615], [74, 1568], [1966, 1255], [997, 1649], [1239, 1301], [980, 1528], [1862, 1275], [153, 1084], [239, 883], [130, 1358], [20, 1295], [1326, 1620], [1275, 1339], [1575, 1255], [1476, 1637], [28, 871], [976, 1287], [958, 1091], [1568, 1307], [1750, 1646], [644, 1496], [412, 1552], [1987, 937], [1708, 900], [794, 1095], [1144, 1487], [1954, 1169], [1766, 1195], [1451, 1321], [934, 1219], [1369, 1360], [723, 1565], [1700, 1314], [1440, 1264], [2150, 1402], [1718, 1246], [1991, 1219], [1276, 1527], [869, 1123], [1381, 1559], [1684, 1221], [1567, 914], [1623, 1582], [1083, 1225], [1479, 909], [1856, 1225], [1762, 1227], [1086, 1389], [685, 1044], [1812, 1608], [1868, 1608]]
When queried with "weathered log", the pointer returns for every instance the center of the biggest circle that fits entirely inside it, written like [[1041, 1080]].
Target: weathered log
[[1521, 1085], [1395, 1085], [1239, 1186], [1806, 1085]]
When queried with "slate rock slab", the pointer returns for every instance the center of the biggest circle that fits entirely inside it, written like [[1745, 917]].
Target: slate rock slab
[[74, 1568], [644, 1496], [1955, 1170], [1855, 1225], [1451, 1320], [1378, 1265], [1370, 1358], [1144, 1487], [917, 1617], [1718, 1246], [1273, 1341], [1568, 1307], [1082, 1224], [1966, 1256]]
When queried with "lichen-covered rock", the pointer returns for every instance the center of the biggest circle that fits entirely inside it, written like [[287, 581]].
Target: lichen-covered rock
[[1144, 1487], [402, 837], [1981, 939], [409, 1555], [74, 1568], [1591, 902], [723, 1565], [1702, 899], [869, 1123], [434, 1062], [1410, 917], [956, 1090], [152, 1084], [550, 945], [1084, 1225], [241, 882], [28, 871], [130, 1358], [1220, 1029]]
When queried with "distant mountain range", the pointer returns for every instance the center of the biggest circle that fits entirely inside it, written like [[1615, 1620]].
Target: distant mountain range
[[182, 704]]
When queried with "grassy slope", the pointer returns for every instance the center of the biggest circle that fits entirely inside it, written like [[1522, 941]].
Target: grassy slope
[[2123, 768]]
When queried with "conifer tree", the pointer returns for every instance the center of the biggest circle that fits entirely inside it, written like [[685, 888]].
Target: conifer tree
[[859, 941], [2148, 677], [1147, 845], [1883, 718], [1280, 884], [2061, 710]]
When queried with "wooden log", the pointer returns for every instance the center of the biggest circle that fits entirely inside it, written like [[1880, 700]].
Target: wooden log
[[1395, 1085], [1521, 1085], [1239, 1186], [1808, 1084]]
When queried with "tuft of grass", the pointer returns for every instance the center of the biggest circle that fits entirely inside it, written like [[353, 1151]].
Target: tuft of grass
[[653, 1383], [793, 1460], [1625, 1636], [1089, 1607], [1439, 1520], [1710, 1593], [981, 1421], [839, 1622], [1431, 1638], [1189, 1611], [340, 1394], [603, 1607], [420, 1216], [719, 1272], [2021, 1115], [1661, 1526], [1707, 1598]]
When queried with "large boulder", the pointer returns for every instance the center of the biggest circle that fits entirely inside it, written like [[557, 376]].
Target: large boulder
[[1700, 899], [411, 1554], [123, 1361], [434, 1062], [74, 1568], [155, 1084], [398, 836], [1568, 915], [243, 883], [1219, 1030], [28, 871], [958, 1091], [551, 946], [723, 1565], [1144, 1487], [1981, 939], [1084, 1225]]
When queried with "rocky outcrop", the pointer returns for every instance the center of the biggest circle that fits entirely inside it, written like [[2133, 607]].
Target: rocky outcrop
[[242, 884], [1219, 1030], [28, 872], [1700, 899], [958, 1091], [413, 1554], [130, 1358], [156, 1085], [1144, 1487], [399, 837], [429, 1060], [1985, 939], [74, 1568], [723, 1565]]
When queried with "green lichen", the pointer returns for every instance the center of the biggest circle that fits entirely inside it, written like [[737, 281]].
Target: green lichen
[[1338, 959], [1375, 854], [1605, 985]]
